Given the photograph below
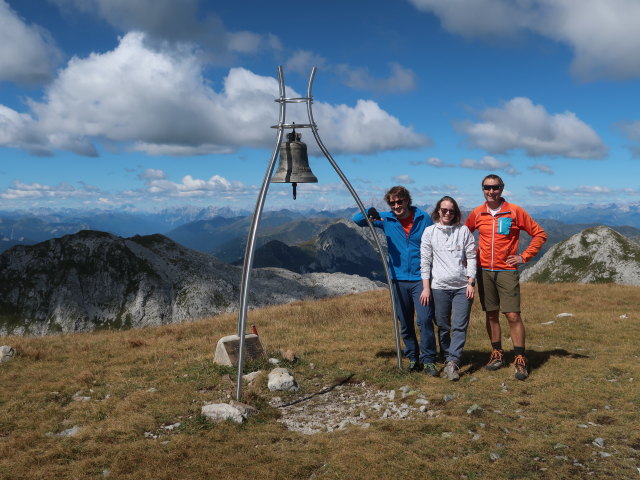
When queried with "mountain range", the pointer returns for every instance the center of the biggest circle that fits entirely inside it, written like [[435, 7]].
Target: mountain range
[[93, 279], [223, 231]]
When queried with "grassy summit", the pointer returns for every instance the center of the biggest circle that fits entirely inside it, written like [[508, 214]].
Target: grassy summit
[[583, 387]]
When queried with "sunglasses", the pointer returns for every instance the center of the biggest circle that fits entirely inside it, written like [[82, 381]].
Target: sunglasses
[[445, 211], [492, 187], [396, 202]]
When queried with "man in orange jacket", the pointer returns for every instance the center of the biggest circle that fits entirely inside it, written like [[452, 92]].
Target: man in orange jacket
[[499, 223]]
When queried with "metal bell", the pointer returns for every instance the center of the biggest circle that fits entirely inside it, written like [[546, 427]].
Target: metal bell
[[294, 163]]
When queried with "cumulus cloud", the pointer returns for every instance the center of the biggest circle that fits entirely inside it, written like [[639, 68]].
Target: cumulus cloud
[[489, 163], [28, 54], [603, 34], [157, 183], [519, 124], [433, 162], [539, 167], [159, 102]]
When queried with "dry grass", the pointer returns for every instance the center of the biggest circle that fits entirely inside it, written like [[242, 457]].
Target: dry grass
[[585, 372]]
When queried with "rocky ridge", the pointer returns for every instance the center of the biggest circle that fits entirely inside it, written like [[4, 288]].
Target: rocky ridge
[[595, 255], [93, 279]]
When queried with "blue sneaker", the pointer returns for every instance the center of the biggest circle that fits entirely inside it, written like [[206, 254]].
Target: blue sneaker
[[415, 366], [431, 369]]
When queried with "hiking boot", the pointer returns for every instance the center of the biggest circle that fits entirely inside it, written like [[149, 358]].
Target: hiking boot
[[415, 366], [496, 360], [522, 369], [431, 369], [451, 371]]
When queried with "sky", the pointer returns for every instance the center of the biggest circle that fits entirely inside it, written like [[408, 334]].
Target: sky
[[140, 105]]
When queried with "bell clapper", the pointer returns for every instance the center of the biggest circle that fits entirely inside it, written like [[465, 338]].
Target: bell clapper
[[294, 185]]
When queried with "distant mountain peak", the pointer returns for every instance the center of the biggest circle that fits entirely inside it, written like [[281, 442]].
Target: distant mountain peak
[[594, 255]]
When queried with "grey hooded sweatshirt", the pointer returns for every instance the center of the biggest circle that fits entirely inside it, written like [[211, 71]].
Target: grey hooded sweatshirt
[[447, 256]]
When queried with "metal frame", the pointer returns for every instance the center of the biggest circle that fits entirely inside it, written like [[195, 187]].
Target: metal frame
[[257, 214]]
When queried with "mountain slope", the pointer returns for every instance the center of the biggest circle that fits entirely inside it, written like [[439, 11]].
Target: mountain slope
[[340, 247], [97, 280], [595, 255]]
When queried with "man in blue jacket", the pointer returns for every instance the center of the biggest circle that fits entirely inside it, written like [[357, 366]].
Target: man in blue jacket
[[403, 227]]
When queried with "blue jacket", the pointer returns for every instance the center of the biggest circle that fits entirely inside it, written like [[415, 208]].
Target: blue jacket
[[404, 253]]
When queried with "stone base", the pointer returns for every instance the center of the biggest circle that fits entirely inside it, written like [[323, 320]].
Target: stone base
[[228, 349]]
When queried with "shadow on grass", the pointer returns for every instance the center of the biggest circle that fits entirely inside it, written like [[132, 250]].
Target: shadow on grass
[[476, 359]]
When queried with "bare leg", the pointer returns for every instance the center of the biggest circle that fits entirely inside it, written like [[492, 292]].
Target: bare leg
[[516, 327], [493, 326]]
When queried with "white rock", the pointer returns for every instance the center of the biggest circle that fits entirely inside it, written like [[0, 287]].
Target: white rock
[[250, 377], [474, 409], [598, 442], [172, 426], [70, 432], [561, 315], [6, 353], [245, 410], [274, 361], [222, 411], [281, 379]]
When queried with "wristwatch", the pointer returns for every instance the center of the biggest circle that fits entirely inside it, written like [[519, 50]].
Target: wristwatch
[[472, 283]]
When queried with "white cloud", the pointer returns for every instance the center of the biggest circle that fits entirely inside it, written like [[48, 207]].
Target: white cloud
[[20, 191], [157, 183], [303, 60], [631, 130], [488, 163], [433, 162], [151, 174], [542, 168], [159, 102], [400, 79], [27, 52], [583, 191], [603, 34], [519, 124], [406, 179], [175, 21]]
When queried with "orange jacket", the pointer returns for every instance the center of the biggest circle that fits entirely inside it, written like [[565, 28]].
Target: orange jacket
[[499, 235]]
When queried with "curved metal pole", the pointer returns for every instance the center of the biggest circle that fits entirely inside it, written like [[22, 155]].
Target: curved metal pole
[[314, 129], [251, 240]]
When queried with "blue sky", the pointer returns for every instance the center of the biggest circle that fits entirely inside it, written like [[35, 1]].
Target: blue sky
[[148, 104]]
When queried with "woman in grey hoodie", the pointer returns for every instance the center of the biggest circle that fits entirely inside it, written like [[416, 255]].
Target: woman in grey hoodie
[[448, 269]]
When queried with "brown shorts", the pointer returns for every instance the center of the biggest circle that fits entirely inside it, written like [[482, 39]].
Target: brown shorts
[[499, 290]]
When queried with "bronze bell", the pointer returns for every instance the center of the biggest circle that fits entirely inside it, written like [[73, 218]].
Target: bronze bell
[[294, 163]]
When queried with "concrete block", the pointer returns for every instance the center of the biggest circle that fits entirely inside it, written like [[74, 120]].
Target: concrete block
[[228, 349]]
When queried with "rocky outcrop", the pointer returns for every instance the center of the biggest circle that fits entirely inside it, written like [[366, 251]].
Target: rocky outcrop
[[95, 280], [595, 255], [345, 247], [340, 247]]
